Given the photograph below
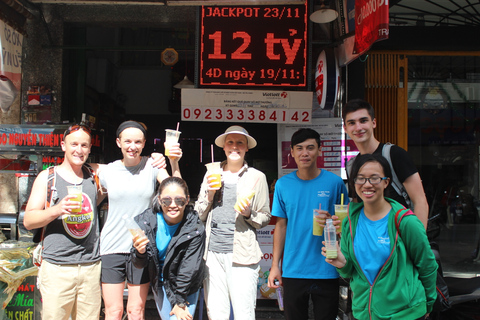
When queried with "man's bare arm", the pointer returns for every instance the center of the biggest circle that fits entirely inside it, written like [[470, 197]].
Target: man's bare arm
[[415, 191]]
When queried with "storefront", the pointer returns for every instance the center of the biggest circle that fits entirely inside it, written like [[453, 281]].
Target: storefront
[[106, 61]]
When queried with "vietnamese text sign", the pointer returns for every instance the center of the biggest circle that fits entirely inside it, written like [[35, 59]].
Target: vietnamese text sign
[[35, 138], [11, 54], [247, 106], [26, 302], [253, 45], [371, 23]]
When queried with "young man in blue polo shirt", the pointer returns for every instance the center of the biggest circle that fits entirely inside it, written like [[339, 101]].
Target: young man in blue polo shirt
[[297, 262]]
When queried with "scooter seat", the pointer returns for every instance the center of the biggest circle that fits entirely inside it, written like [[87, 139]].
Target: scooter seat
[[462, 286]]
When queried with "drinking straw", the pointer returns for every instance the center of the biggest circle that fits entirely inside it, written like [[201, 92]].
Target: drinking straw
[[178, 125], [255, 183], [211, 147], [341, 200]]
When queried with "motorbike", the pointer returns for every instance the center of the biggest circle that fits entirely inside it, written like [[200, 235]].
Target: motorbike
[[464, 295]]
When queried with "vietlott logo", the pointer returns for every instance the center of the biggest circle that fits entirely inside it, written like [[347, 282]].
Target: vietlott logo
[[323, 194]]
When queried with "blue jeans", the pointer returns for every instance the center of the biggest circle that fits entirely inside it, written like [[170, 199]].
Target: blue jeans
[[164, 307]]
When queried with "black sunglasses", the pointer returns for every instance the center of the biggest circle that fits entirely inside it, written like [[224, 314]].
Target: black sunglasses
[[179, 201]]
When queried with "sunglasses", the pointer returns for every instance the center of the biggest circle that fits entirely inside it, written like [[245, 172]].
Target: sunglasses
[[77, 127], [179, 201]]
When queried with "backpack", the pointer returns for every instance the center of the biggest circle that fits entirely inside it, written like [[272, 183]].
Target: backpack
[[442, 303], [395, 182]]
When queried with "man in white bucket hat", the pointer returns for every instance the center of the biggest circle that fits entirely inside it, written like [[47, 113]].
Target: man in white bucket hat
[[232, 214]]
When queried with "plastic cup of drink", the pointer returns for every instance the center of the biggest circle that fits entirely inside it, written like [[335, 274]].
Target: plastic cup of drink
[[132, 226], [77, 192], [241, 198], [214, 169], [341, 211], [171, 138], [317, 229]]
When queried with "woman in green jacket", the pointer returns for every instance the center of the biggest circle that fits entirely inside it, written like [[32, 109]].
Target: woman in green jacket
[[392, 269]]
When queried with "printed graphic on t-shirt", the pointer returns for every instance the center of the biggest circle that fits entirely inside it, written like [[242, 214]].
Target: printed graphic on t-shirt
[[382, 240], [78, 225], [323, 194]]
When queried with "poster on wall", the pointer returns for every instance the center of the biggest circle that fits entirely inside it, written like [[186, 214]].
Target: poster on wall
[[11, 54], [265, 240], [10, 65], [337, 147], [39, 105]]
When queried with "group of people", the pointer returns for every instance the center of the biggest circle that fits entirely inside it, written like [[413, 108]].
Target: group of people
[[211, 243]]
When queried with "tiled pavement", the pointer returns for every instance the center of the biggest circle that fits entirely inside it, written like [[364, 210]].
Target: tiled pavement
[[266, 309]]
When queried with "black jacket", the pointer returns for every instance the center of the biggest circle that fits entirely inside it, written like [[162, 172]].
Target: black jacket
[[184, 267]]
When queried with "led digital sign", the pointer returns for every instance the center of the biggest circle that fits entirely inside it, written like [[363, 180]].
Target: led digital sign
[[253, 45]]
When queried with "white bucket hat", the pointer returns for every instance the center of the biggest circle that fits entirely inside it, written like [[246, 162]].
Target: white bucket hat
[[220, 141]]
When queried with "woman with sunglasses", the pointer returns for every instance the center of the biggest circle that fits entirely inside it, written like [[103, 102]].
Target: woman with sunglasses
[[384, 250], [130, 183], [172, 248]]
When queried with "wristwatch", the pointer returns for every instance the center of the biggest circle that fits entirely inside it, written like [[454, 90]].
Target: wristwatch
[[181, 305]]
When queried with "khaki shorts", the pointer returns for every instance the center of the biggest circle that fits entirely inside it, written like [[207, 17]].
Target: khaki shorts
[[70, 290]]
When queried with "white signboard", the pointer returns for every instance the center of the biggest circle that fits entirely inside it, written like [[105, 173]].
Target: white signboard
[[265, 239], [247, 106], [11, 54]]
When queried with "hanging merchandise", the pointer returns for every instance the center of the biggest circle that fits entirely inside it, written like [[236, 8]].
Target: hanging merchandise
[[10, 65], [8, 93]]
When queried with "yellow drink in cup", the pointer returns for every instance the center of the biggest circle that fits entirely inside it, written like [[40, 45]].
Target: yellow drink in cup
[[214, 170], [171, 138], [248, 196], [136, 232], [341, 211], [218, 180], [132, 226], [331, 254], [317, 229], [77, 192]]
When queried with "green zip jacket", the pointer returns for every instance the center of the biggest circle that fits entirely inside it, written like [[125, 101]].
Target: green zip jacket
[[405, 285]]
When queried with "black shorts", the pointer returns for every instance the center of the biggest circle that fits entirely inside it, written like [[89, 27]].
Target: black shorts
[[118, 267], [298, 292]]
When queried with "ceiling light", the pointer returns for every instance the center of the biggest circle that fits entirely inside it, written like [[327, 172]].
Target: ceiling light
[[185, 83], [324, 14]]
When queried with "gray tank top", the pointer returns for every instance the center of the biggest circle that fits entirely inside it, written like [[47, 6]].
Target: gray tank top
[[74, 238], [221, 238]]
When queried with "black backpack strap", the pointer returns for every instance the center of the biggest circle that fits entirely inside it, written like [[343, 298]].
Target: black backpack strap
[[396, 184], [348, 170]]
